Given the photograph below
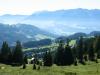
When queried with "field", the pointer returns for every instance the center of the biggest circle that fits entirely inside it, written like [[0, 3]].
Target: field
[[90, 69]]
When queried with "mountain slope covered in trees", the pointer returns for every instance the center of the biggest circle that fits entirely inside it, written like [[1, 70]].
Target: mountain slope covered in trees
[[22, 32]]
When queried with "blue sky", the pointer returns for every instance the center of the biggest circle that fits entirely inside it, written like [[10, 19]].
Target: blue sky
[[27, 7]]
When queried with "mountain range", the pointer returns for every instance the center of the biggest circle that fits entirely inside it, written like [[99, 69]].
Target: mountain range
[[22, 32], [60, 22], [70, 23], [26, 33]]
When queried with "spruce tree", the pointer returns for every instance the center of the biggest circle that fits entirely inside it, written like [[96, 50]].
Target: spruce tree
[[45, 59], [68, 56], [24, 65], [85, 50], [97, 46], [5, 53], [10, 56], [34, 67], [18, 54], [25, 59], [48, 59], [80, 50], [74, 51], [91, 52], [59, 54]]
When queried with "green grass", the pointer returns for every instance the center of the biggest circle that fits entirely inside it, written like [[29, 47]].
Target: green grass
[[89, 69], [42, 47], [72, 42], [39, 37]]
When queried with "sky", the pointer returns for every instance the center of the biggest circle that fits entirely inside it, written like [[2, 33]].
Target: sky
[[27, 7]]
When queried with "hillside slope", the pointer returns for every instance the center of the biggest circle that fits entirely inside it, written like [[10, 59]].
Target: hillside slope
[[22, 32]]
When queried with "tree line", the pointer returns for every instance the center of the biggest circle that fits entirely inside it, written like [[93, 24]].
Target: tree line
[[13, 56], [85, 49]]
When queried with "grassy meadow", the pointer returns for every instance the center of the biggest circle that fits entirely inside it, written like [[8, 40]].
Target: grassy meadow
[[91, 68]]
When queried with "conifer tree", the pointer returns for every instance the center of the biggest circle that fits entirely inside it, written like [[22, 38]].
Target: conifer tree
[[25, 59], [24, 65], [34, 67], [74, 51], [85, 50], [59, 54], [48, 59], [80, 50], [5, 53], [18, 54], [91, 52], [97, 46], [68, 56]]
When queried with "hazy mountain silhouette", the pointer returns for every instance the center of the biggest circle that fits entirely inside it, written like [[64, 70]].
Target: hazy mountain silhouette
[[62, 22], [22, 32]]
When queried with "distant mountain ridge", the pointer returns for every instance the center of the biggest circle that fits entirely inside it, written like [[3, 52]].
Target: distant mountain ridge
[[95, 33], [77, 35], [67, 14], [60, 22], [26, 33], [22, 32]]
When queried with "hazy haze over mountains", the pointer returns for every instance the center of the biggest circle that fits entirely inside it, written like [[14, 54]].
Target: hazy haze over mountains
[[61, 22]]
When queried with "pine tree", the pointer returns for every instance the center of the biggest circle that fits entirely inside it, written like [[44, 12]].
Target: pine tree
[[25, 59], [80, 50], [24, 65], [10, 56], [85, 50], [50, 60], [68, 56], [18, 54], [74, 51], [5, 53], [97, 46], [91, 52], [58, 60], [47, 59], [34, 67], [38, 67]]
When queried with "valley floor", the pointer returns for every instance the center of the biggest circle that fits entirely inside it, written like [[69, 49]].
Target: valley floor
[[90, 69]]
